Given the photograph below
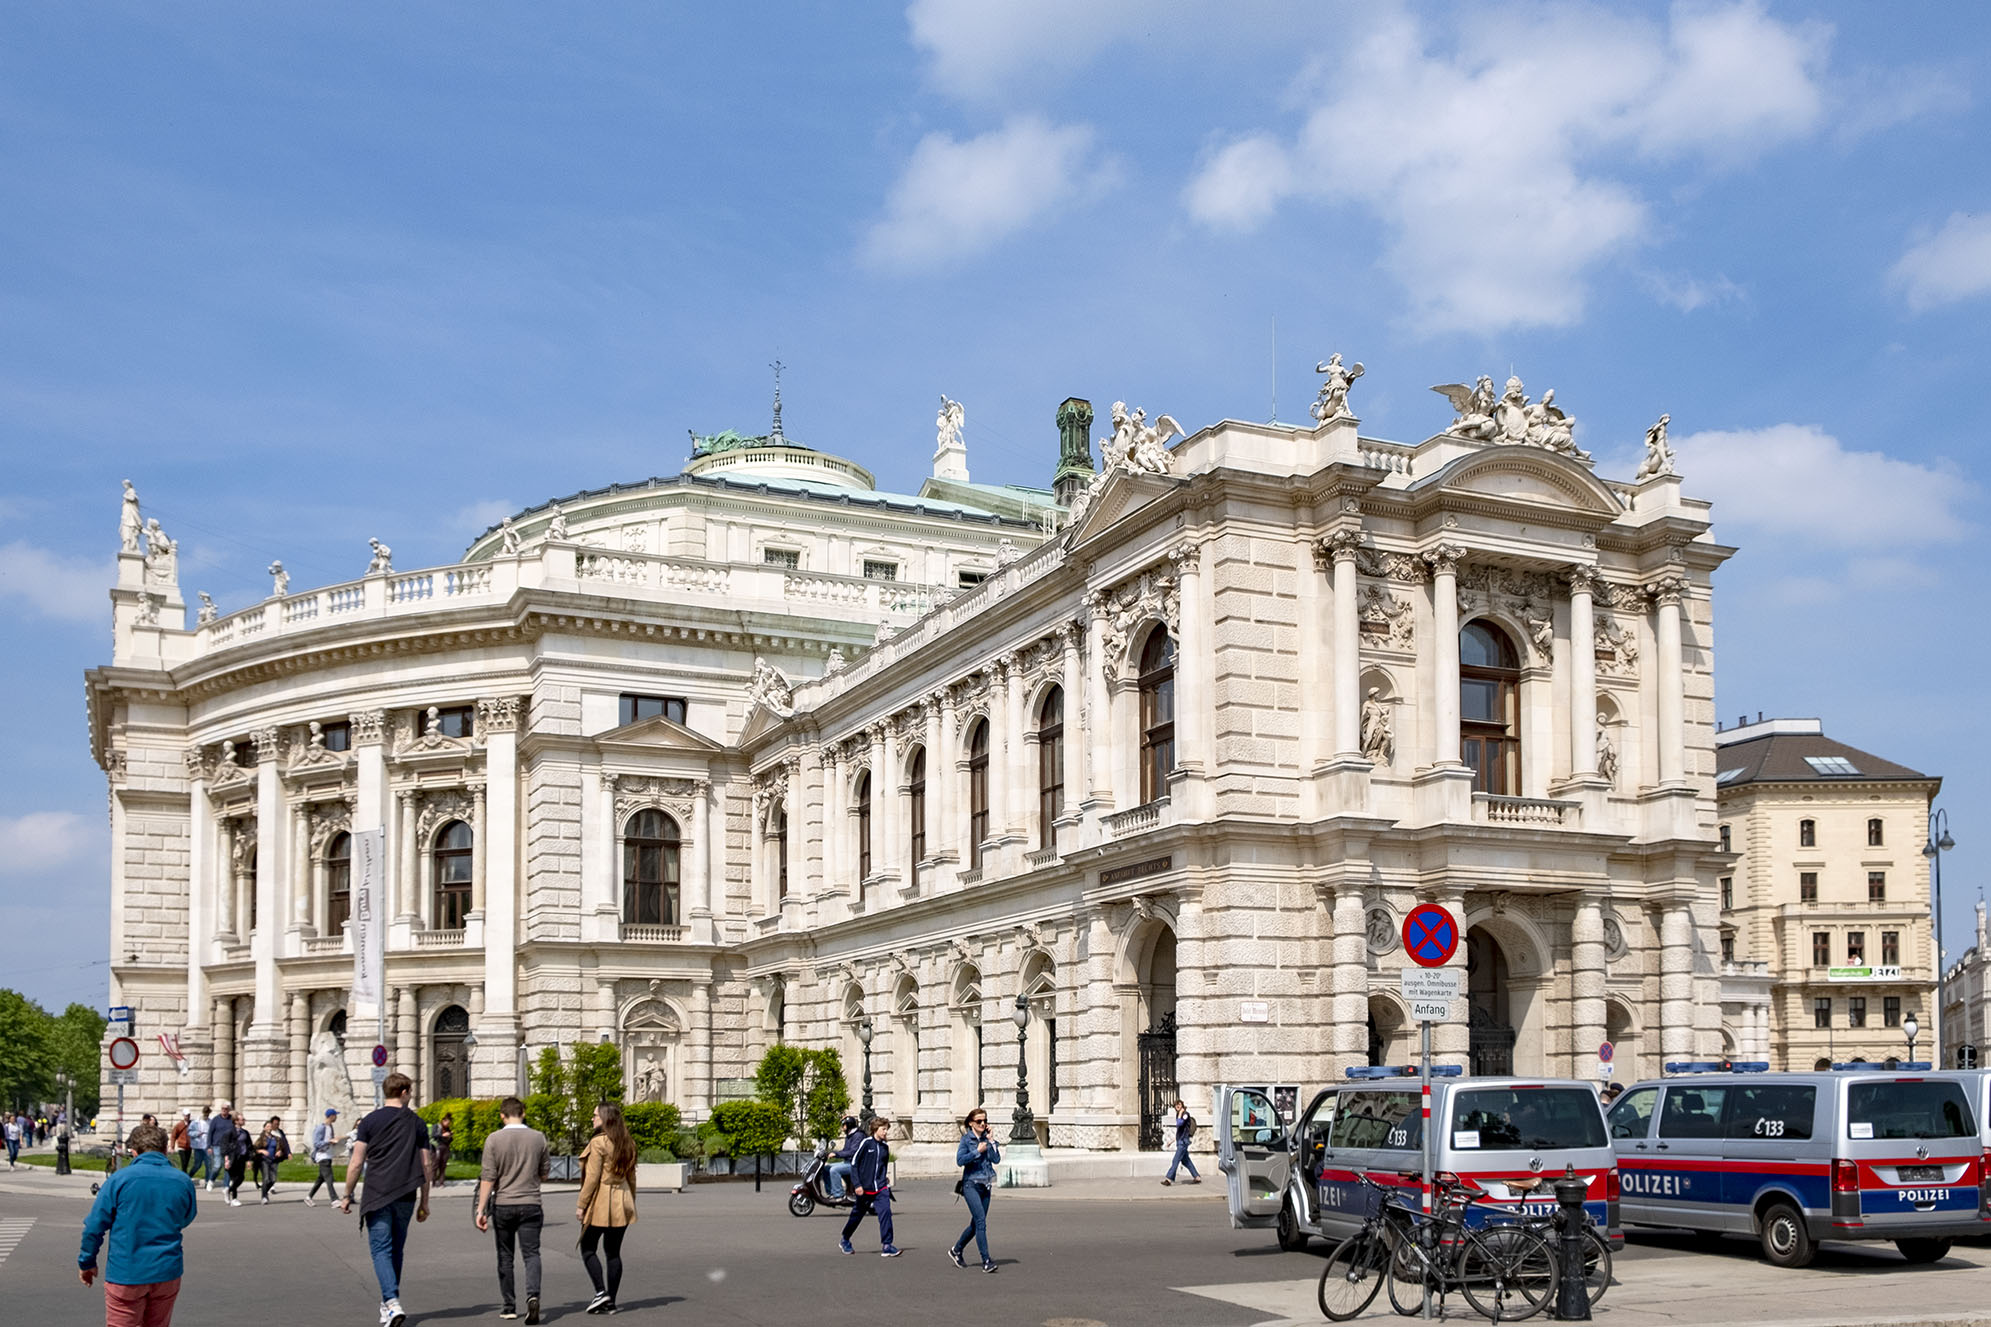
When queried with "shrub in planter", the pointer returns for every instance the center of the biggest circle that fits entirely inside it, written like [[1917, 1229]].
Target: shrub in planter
[[653, 1124]]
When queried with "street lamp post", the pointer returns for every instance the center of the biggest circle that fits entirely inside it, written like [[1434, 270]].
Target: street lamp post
[[1939, 842], [1024, 1126], [864, 1033], [1913, 1029]]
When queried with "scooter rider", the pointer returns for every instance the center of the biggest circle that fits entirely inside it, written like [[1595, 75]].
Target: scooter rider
[[839, 1171]]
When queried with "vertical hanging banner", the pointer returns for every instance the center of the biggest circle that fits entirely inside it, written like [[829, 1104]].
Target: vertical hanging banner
[[369, 916]]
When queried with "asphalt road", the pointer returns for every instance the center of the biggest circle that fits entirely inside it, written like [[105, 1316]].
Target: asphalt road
[[1087, 1254]]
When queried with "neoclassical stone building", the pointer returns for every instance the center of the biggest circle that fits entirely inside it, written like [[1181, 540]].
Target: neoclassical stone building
[[756, 751]]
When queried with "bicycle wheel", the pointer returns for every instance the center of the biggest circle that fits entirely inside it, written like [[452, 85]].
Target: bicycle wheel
[[1506, 1273], [1353, 1275], [1406, 1280], [1596, 1265]]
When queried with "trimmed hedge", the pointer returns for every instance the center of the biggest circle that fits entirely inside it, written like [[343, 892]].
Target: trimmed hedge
[[653, 1124]]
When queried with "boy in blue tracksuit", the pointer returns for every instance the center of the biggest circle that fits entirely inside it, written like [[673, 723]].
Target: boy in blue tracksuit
[[872, 1181]]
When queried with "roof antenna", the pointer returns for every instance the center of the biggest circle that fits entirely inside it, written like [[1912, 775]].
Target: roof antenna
[[1275, 370], [776, 436]]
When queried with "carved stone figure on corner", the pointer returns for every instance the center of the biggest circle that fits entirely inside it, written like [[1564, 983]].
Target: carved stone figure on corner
[[129, 523], [162, 556], [1473, 406], [1333, 398], [1378, 728], [1552, 430], [1607, 754], [770, 690], [208, 611], [149, 605], [556, 529], [382, 561], [509, 534], [280, 581], [1658, 455]]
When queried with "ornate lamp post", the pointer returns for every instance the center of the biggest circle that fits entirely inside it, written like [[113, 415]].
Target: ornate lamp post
[[1024, 1128], [864, 1034], [1939, 843], [1913, 1029]]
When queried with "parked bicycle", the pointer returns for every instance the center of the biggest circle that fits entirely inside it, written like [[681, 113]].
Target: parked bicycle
[[1596, 1247], [1506, 1272]]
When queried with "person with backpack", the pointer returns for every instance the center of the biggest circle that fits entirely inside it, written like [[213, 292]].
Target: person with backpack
[[871, 1178], [324, 1146], [1185, 1129], [977, 1156], [274, 1148]]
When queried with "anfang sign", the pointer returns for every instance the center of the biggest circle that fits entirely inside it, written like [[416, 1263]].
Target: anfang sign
[[1429, 993]]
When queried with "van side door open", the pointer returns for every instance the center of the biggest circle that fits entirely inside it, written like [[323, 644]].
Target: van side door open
[[1252, 1154]]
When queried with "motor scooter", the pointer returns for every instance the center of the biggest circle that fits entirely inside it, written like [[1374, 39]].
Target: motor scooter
[[814, 1190]]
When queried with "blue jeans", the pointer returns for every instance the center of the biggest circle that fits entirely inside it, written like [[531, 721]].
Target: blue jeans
[[977, 1197], [200, 1163], [839, 1177], [1182, 1159], [386, 1237], [213, 1164], [881, 1203]]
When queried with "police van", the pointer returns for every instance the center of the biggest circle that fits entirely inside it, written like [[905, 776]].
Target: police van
[[1510, 1137], [1793, 1158], [1977, 1086]]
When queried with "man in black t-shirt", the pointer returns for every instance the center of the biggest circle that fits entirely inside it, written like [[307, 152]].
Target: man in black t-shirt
[[392, 1144]]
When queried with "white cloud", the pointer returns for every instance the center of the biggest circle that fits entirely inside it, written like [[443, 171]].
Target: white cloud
[[39, 840], [958, 197], [978, 50], [73, 589], [1489, 160], [1953, 264], [1688, 293], [1795, 486]]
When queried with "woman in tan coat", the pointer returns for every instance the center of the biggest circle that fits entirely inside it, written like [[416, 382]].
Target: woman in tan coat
[[607, 1205]]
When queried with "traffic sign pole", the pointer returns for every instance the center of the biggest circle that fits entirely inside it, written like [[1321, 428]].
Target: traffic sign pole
[[1424, 1083]]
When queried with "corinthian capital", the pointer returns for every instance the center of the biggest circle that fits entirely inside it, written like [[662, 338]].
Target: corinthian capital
[[268, 743], [1667, 590], [1583, 579], [369, 727], [1444, 559], [498, 716]]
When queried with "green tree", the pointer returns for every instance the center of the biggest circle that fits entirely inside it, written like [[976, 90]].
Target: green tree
[[755, 1128], [828, 1096], [779, 1076], [27, 1051], [78, 1035]]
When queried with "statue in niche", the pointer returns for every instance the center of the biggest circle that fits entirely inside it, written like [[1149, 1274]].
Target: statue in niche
[[228, 757], [1333, 398], [149, 605], [1378, 728], [331, 1083], [556, 529], [953, 417], [317, 739], [208, 610], [382, 561], [651, 1079], [509, 534], [129, 524], [1607, 753], [279, 581], [1658, 455], [162, 556], [1380, 930], [1473, 408]]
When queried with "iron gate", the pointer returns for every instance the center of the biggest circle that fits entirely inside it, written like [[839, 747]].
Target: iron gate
[[1158, 1089], [1492, 1044]]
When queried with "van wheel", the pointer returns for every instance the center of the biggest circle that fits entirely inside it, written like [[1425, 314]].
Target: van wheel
[[1786, 1242], [1291, 1237], [1923, 1250]]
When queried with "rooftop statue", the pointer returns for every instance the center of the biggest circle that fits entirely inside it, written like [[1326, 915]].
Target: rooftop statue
[[129, 524], [162, 556], [1473, 406], [725, 440], [382, 560], [1658, 455], [1549, 428], [1135, 445], [557, 527], [509, 534], [770, 690], [1510, 418], [952, 418], [279, 581], [1333, 398], [208, 609]]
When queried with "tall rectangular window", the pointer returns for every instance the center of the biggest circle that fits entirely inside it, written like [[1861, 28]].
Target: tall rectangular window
[[1821, 949], [449, 721], [1821, 1012], [633, 707], [1890, 948], [1728, 949], [1727, 892], [1890, 1011], [1725, 841], [1876, 886], [1856, 947], [1807, 886], [1807, 833], [1856, 1011], [1875, 836], [338, 735]]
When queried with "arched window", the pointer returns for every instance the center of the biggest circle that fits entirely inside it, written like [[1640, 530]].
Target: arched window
[[454, 852], [338, 882], [1490, 708], [1807, 833], [1157, 687], [777, 833], [916, 809], [978, 791], [1050, 766], [864, 826], [650, 844]]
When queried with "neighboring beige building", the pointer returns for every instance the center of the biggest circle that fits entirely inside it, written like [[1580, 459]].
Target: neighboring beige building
[[756, 752], [1829, 889], [1967, 999]]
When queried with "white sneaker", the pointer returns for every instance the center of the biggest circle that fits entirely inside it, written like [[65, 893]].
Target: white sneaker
[[266, 1200], [234, 1202], [309, 1201], [210, 1186], [391, 1314]]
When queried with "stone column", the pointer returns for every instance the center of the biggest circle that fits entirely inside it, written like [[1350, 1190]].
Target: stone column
[[699, 859], [1666, 594], [1016, 753], [833, 818], [875, 758], [269, 889], [300, 1049], [942, 776], [200, 888], [607, 901], [1676, 981], [605, 1011], [224, 880], [300, 866], [936, 777], [483, 851], [1071, 636], [806, 828], [1194, 664], [888, 781], [1586, 983], [1348, 1037], [698, 1072], [224, 1049], [1582, 673], [407, 1050], [1444, 561], [1341, 547], [999, 789], [1097, 728], [498, 720], [408, 909]]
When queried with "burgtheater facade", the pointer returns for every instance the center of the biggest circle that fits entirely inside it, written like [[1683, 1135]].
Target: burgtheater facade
[[756, 752]]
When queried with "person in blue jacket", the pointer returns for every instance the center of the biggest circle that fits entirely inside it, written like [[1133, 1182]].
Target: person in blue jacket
[[142, 1210], [872, 1178], [840, 1169], [978, 1156], [220, 1144]]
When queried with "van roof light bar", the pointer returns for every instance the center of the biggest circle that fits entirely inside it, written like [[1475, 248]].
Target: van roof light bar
[[1375, 1071], [1718, 1067]]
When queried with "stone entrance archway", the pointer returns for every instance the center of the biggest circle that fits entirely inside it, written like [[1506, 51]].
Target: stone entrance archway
[[1488, 984], [449, 1057]]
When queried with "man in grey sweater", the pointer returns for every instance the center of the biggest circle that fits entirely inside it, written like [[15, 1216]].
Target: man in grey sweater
[[508, 1201]]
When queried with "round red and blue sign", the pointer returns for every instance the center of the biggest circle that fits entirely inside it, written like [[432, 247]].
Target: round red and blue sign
[[380, 1057], [1430, 935]]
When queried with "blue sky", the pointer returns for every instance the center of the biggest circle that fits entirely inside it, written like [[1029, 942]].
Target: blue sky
[[307, 277]]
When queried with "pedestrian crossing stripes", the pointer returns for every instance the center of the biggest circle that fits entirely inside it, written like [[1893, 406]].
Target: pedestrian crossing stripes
[[12, 1232]]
